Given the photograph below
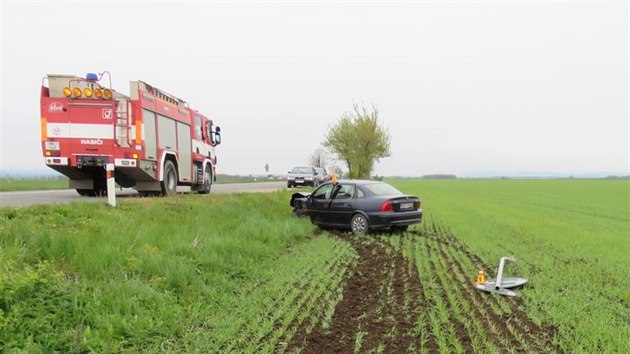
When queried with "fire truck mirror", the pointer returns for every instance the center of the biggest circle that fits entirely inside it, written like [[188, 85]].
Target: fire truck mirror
[[218, 129], [208, 131]]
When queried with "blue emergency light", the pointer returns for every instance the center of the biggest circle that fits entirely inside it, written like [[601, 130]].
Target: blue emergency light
[[91, 77]]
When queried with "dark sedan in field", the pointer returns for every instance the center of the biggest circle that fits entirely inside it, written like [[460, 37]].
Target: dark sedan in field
[[358, 205]]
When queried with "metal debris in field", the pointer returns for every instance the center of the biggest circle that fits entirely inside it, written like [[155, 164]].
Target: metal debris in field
[[499, 285]]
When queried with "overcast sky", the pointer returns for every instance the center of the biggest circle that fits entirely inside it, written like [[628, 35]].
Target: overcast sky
[[470, 88]]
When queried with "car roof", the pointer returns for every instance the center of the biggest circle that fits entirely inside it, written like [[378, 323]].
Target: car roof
[[358, 181]]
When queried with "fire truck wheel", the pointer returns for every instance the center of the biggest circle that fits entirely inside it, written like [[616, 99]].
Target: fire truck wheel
[[169, 185], [86, 192], [207, 182]]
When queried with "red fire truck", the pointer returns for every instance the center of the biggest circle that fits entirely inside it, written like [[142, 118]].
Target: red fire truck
[[154, 139]]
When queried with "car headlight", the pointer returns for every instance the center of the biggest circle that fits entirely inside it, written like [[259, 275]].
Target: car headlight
[[309, 178]]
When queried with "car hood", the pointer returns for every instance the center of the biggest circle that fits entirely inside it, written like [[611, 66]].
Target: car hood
[[298, 199], [300, 175]]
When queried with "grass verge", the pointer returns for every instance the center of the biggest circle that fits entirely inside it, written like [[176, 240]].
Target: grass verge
[[178, 274]]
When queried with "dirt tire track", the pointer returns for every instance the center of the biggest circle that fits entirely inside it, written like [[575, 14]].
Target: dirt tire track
[[383, 297], [365, 306]]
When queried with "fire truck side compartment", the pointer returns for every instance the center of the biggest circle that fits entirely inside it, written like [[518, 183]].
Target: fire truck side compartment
[[150, 145], [184, 147], [167, 137]]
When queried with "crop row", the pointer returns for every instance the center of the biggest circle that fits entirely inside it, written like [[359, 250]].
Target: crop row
[[455, 317], [301, 290], [570, 237]]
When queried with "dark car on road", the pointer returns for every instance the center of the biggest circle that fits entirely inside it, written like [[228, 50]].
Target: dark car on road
[[358, 205], [302, 176], [322, 175]]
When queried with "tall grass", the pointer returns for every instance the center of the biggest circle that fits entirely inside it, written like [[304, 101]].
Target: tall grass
[[572, 241], [146, 276]]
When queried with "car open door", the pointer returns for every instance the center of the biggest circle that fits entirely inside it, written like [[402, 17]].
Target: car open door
[[318, 203], [342, 204]]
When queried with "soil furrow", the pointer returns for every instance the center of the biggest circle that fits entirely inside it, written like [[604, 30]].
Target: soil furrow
[[412, 294], [366, 307]]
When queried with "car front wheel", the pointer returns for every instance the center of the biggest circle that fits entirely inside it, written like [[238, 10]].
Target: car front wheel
[[359, 224]]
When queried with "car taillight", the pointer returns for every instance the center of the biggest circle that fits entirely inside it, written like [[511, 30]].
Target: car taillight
[[387, 206]]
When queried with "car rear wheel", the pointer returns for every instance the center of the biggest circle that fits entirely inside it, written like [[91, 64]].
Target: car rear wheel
[[359, 224]]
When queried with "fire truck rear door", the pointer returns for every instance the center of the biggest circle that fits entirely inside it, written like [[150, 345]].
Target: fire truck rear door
[[91, 128]]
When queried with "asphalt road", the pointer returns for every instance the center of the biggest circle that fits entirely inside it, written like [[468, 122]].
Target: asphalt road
[[23, 198]]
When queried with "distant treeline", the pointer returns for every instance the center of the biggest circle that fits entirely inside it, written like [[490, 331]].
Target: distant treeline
[[439, 176]]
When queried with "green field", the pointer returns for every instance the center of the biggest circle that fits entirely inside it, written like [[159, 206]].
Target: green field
[[28, 184], [238, 273], [571, 238]]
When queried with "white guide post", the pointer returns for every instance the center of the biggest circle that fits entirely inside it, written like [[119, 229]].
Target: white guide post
[[111, 185]]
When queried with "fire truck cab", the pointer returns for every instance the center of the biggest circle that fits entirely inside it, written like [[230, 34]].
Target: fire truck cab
[[154, 139]]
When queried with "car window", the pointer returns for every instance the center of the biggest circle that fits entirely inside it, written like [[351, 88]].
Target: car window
[[345, 191], [360, 193], [382, 189], [306, 170], [323, 192]]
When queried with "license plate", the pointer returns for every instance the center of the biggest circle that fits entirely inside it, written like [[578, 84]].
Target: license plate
[[52, 145], [299, 181], [406, 206]]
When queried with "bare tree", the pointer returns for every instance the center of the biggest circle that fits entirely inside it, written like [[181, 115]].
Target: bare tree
[[319, 158]]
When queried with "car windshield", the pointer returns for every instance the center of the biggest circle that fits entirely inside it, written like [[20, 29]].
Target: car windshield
[[301, 170], [382, 189]]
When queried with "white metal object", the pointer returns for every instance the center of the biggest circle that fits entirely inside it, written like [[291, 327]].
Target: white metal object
[[501, 285], [111, 185]]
